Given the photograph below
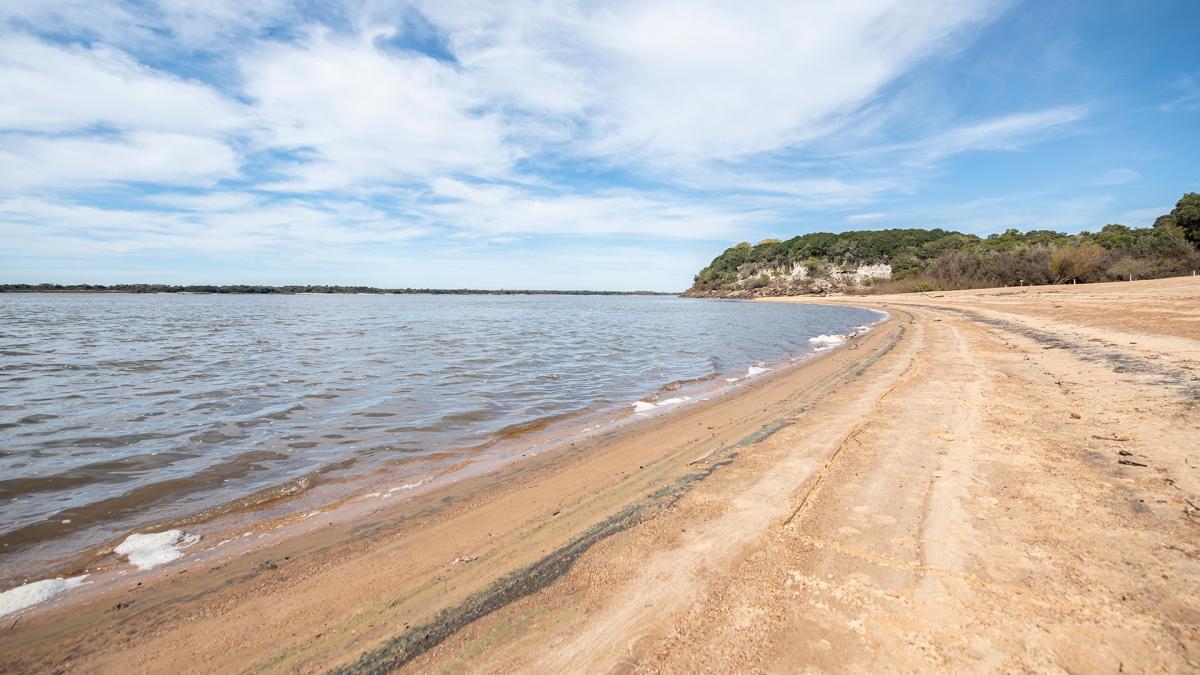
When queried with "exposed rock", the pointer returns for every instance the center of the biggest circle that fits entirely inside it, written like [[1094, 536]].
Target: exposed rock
[[794, 280]]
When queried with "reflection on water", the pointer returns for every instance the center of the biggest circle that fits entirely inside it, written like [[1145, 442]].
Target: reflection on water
[[118, 410]]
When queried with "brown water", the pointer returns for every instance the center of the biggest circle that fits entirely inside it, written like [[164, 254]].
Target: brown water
[[122, 411]]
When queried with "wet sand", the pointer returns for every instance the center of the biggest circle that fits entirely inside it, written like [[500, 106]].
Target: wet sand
[[992, 480]]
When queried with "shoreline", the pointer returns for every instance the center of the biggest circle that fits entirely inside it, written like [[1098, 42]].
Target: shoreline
[[278, 511], [662, 446], [988, 478]]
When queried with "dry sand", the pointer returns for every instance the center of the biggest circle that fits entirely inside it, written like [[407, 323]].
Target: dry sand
[[992, 480]]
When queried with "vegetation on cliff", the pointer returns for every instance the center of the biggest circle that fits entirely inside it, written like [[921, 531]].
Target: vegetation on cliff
[[935, 259]]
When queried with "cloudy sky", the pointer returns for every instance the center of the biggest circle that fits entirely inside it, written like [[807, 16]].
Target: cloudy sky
[[597, 145]]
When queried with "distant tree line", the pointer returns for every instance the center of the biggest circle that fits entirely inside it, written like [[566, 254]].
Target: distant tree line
[[284, 290], [938, 259]]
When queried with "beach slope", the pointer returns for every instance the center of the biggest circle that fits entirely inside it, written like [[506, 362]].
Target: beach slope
[[992, 480]]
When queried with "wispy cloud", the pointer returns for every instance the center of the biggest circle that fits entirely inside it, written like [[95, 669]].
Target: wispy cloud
[[1026, 210], [1007, 132], [1118, 177], [864, 217], [31, 226], [55, 88], [143, 156], [499, 210], [1187, 96]]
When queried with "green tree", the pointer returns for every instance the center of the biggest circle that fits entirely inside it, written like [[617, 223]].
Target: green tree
[[1186, 215], [1115, 237]]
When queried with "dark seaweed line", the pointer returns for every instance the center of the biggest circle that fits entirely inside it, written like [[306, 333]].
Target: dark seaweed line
[[1118, 362], [403, 648]]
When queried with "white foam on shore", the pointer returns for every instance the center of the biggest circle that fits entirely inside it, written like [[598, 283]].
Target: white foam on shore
[[34, 592], [406, 486], [828, 340], [647, 406], [147, 551], [756, 370]]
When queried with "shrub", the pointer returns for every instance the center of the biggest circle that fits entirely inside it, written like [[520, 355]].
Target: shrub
[[1082, 263], [818, 268], [758, 282]]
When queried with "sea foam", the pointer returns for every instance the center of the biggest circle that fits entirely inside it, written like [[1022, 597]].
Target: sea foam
[[147, 551], [647, 406], [828, 340], [34, 592]]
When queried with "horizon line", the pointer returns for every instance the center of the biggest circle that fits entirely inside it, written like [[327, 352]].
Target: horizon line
[[297, 289]]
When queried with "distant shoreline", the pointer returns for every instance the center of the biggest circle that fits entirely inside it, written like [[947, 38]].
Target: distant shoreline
[[244, 289]]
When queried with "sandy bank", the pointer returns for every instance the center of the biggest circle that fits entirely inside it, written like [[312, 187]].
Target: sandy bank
[[992, 480]]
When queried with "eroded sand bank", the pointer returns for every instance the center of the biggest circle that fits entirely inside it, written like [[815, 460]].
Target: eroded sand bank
[[992, 480]]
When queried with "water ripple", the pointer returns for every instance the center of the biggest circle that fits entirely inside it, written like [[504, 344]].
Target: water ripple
[[118, 410]]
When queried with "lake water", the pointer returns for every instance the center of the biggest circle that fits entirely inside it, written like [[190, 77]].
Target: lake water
[[124, 411]]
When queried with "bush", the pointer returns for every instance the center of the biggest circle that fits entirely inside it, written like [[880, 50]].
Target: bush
[[758, 282], [1131, 268], [1081, 263], [818, 268]]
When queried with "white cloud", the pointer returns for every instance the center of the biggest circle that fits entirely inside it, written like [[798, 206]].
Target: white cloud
[[864, 217], [669, 81], [663, 86], [1187, 97], [77, 17], [146, 156], [49, 88], [163, 25], [1118, 177], [205, 22], [206, 201], [1007, 132], [39, 227], [367, 115], [293, 242], [810, 193], [727, 81], [1042, 210], [506, 210], [1141, 217]]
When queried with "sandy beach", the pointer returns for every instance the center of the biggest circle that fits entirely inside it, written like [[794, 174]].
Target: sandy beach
[[1003, 479]]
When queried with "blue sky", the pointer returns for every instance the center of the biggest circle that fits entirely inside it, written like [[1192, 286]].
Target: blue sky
[[592, 145]]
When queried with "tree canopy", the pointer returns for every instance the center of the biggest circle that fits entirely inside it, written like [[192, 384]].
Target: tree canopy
[[1186, 216]]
